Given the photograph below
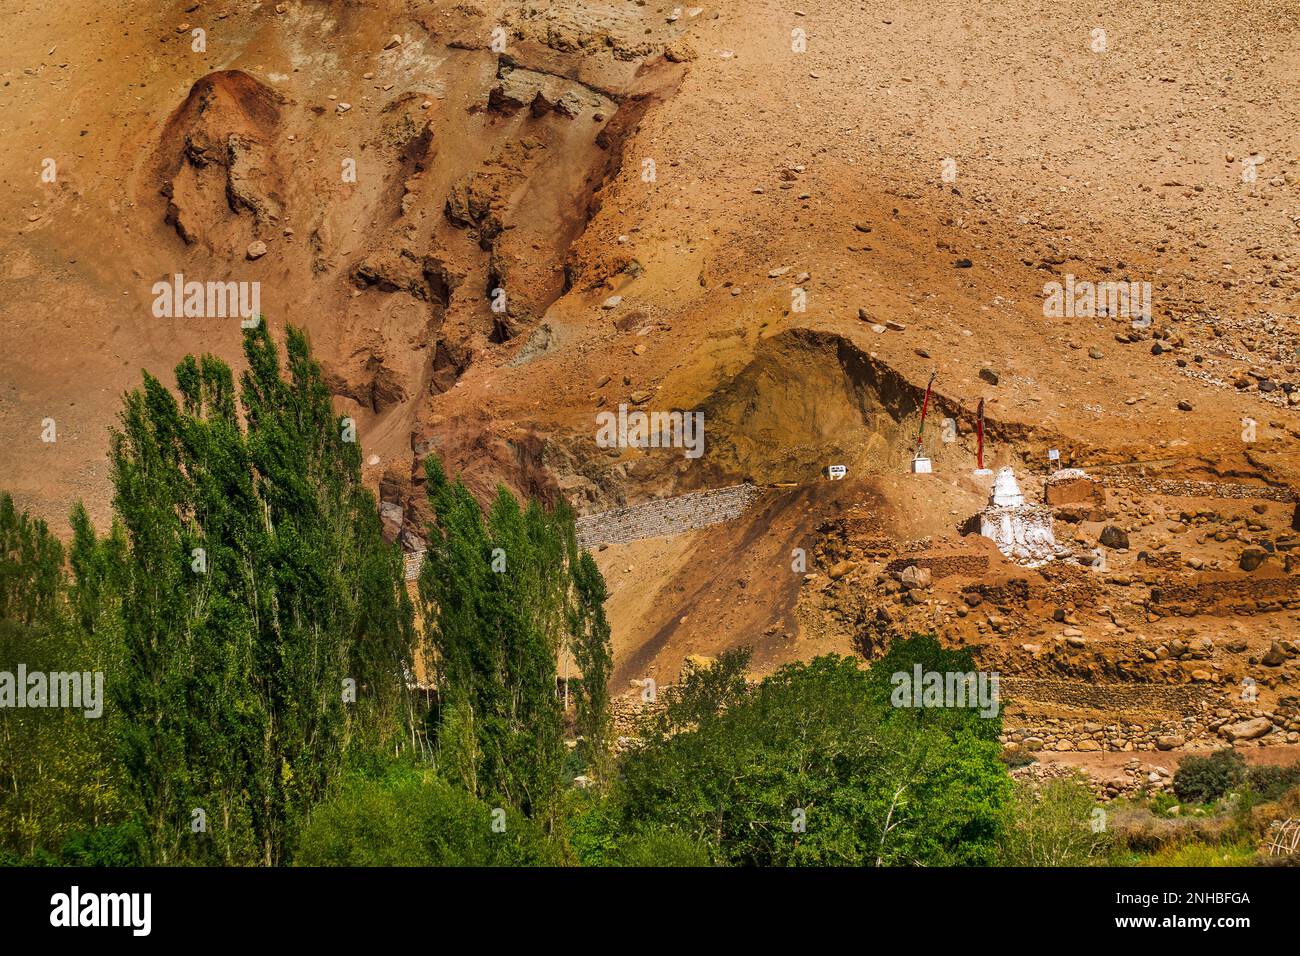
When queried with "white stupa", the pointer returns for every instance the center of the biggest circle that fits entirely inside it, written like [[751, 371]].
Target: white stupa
[[1006, 490], [1022, 531]]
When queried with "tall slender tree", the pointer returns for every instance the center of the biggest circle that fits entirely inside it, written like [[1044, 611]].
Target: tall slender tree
[[260, 603], [501, 595], [594, 656]]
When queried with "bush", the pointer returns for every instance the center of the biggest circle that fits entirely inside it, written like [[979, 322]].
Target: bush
[[816, 766], [1270, 782], [1057, 823], [120, 845], [661, 847], [410, 817], [1205, 779]]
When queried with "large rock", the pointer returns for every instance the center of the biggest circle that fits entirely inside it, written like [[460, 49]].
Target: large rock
[[914, 577], [1073, 486], [1113, 537], [514, 90], [1251, 558], [1247, 729], [1275, 656]]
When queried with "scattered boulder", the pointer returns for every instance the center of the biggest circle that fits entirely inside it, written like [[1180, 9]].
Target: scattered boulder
[[1251, 558], [1114, 537], [1247, 729], [1276, 656], [914, 577]]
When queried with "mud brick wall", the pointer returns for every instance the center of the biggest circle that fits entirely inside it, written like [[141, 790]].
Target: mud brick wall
[[1251, 595], [665, 516], [945, 565], [1197, 489]]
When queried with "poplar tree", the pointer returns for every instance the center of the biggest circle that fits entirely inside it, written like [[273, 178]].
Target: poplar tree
[[593, 655], [500, 596], [260, 602]]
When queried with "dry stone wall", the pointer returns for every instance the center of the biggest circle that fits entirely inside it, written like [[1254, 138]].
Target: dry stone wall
[[945, 565], [665, 516], [651, 519], [1250, 596], [1181, 699], [1197, 489]]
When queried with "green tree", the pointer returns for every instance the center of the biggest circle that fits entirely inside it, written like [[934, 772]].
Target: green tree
[[258, 592], [500, 595], [814, 766], [409, 817], [57, 775]]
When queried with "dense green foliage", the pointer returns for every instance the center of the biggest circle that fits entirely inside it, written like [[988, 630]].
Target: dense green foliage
[[1202, 779], [1268, 782], [412, 817], [252, 624], [57, 772], [260, 602], [814, 766], [501, 595]]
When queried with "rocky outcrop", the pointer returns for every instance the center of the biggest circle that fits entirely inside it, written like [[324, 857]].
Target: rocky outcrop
[[215, 161]]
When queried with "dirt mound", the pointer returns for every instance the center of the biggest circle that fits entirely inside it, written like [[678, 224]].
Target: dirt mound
[[215, 162]]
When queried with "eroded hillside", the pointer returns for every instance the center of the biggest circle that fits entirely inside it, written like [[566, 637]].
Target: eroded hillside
[[499, 220]]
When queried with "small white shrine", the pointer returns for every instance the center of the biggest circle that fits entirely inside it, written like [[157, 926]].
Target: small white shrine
[[1022, 531]]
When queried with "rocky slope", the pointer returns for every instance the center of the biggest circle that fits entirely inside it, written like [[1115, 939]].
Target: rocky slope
[[499, 220]]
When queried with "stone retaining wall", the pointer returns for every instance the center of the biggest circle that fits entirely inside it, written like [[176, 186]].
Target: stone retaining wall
[[1182, 699], [665, 516], [651, 519], [945, 565], [1254, 595], [1197, 489]]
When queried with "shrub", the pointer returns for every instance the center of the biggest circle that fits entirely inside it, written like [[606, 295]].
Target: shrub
[[815, 766], [120, 845], [1055, 824], [661, 847], [1269, 782], [411, 817], [1205, 779]]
